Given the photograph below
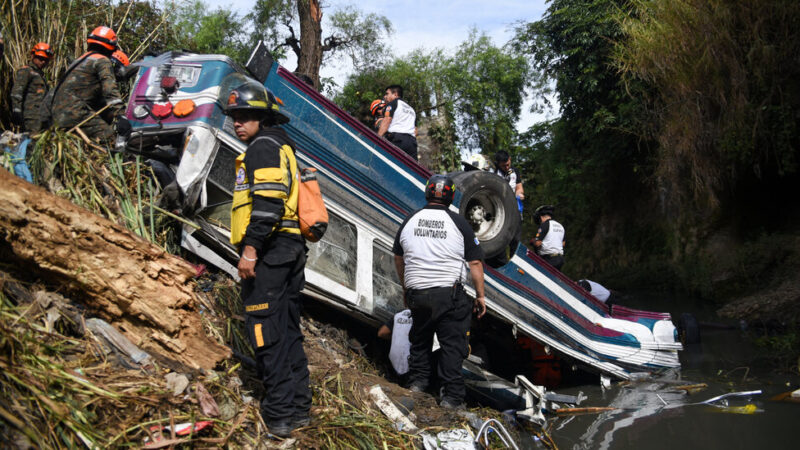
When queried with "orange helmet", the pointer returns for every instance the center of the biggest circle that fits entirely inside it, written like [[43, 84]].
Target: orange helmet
[[120, 57], [42, 50], [103, 36], [376, 107]]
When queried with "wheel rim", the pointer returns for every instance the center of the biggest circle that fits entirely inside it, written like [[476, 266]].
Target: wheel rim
[[486, 214]]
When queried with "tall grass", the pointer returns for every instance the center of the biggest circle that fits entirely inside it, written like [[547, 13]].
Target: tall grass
[[726, 77]]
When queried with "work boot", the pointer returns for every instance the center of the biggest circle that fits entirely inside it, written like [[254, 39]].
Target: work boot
[[448, 403], [280, 427], [300, 420], [416, 388]]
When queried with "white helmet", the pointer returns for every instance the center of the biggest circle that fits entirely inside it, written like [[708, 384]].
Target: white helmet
[[480, 162]]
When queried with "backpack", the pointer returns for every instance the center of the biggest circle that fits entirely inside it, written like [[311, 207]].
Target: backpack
[[311, 211]]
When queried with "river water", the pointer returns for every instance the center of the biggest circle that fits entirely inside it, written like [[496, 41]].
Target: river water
[[652, 415]]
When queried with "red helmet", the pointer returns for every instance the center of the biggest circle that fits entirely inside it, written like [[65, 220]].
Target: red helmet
[[42, 50], [377, 107], [103, 36], [120, 57]]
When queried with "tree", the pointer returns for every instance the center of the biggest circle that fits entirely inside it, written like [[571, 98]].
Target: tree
[[359, 36], [485, 84], [219, 31], [593, 167], [469, 100]]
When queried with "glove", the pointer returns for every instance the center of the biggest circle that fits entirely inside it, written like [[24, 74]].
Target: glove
[[16, 117]]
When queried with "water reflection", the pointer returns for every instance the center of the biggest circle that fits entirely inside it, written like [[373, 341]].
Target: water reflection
[[656, 414]]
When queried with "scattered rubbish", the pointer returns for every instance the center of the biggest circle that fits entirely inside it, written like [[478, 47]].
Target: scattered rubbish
[[117, 341], [494, 425], [401, 422], [746, 409], [458, 439], [177, 383], [728, 395], [207, 403], [159, 434], [585, 410], [13, 149], [691, 388], [563, 398], [790, 396]]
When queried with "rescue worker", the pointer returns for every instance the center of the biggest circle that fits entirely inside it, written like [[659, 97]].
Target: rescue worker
[[434, 248], [30, 88], [377, 109], [119, 61], [265, 227], [549, 240], [88, 87], [396, 329], [399, 121], [502, 162]]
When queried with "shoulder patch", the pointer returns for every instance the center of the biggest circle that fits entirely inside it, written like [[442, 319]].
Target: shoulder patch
[[477, 242], [240, 174]]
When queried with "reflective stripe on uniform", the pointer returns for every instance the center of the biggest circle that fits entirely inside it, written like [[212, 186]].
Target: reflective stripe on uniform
[[265, 215], [259, 335], [270, 187]]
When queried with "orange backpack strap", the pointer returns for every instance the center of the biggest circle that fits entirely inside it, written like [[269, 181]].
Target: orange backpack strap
[[311, 208]]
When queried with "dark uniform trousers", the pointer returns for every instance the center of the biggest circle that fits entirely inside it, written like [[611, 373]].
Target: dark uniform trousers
[[445, 311], [554, 260], [406, 142], [274, 331]]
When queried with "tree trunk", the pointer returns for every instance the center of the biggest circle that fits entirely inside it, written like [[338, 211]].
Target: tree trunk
[[142, 290], [310, 59]]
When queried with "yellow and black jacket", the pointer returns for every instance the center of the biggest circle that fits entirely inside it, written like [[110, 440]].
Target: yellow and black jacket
[[269, 203]]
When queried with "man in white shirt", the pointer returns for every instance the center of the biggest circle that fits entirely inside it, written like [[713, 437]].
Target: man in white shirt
[[549, 240], [435, 250], [597, 290], [399, 121]]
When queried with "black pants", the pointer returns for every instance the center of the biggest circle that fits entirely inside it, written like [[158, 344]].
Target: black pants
[[406, 142], [554, 260], [272, 318], [446, 312]]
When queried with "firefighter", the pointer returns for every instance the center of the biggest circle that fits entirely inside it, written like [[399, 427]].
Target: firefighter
[[30, 88], [265, 227], [90, 86], [434, 249]]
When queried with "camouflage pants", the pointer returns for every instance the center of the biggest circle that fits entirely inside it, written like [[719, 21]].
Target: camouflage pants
[[31, 125], [98, 129]]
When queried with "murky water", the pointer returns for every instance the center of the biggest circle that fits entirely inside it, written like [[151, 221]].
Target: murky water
[[653, 415]]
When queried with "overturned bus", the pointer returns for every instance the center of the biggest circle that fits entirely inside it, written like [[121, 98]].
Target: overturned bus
[[176, 115]]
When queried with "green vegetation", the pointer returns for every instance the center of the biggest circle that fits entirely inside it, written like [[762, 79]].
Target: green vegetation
[[470, 99], [677, 145], [675, 152]]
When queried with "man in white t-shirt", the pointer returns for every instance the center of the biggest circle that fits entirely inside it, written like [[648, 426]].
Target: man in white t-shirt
[[549, 240], [597, 290], [399, 121], [435, 251]]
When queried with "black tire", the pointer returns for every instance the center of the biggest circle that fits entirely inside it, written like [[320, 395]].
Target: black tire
[[490, 206], [689, 329]]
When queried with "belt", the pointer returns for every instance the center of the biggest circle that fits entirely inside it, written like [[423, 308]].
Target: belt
[[427, 290], [552, 254]]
